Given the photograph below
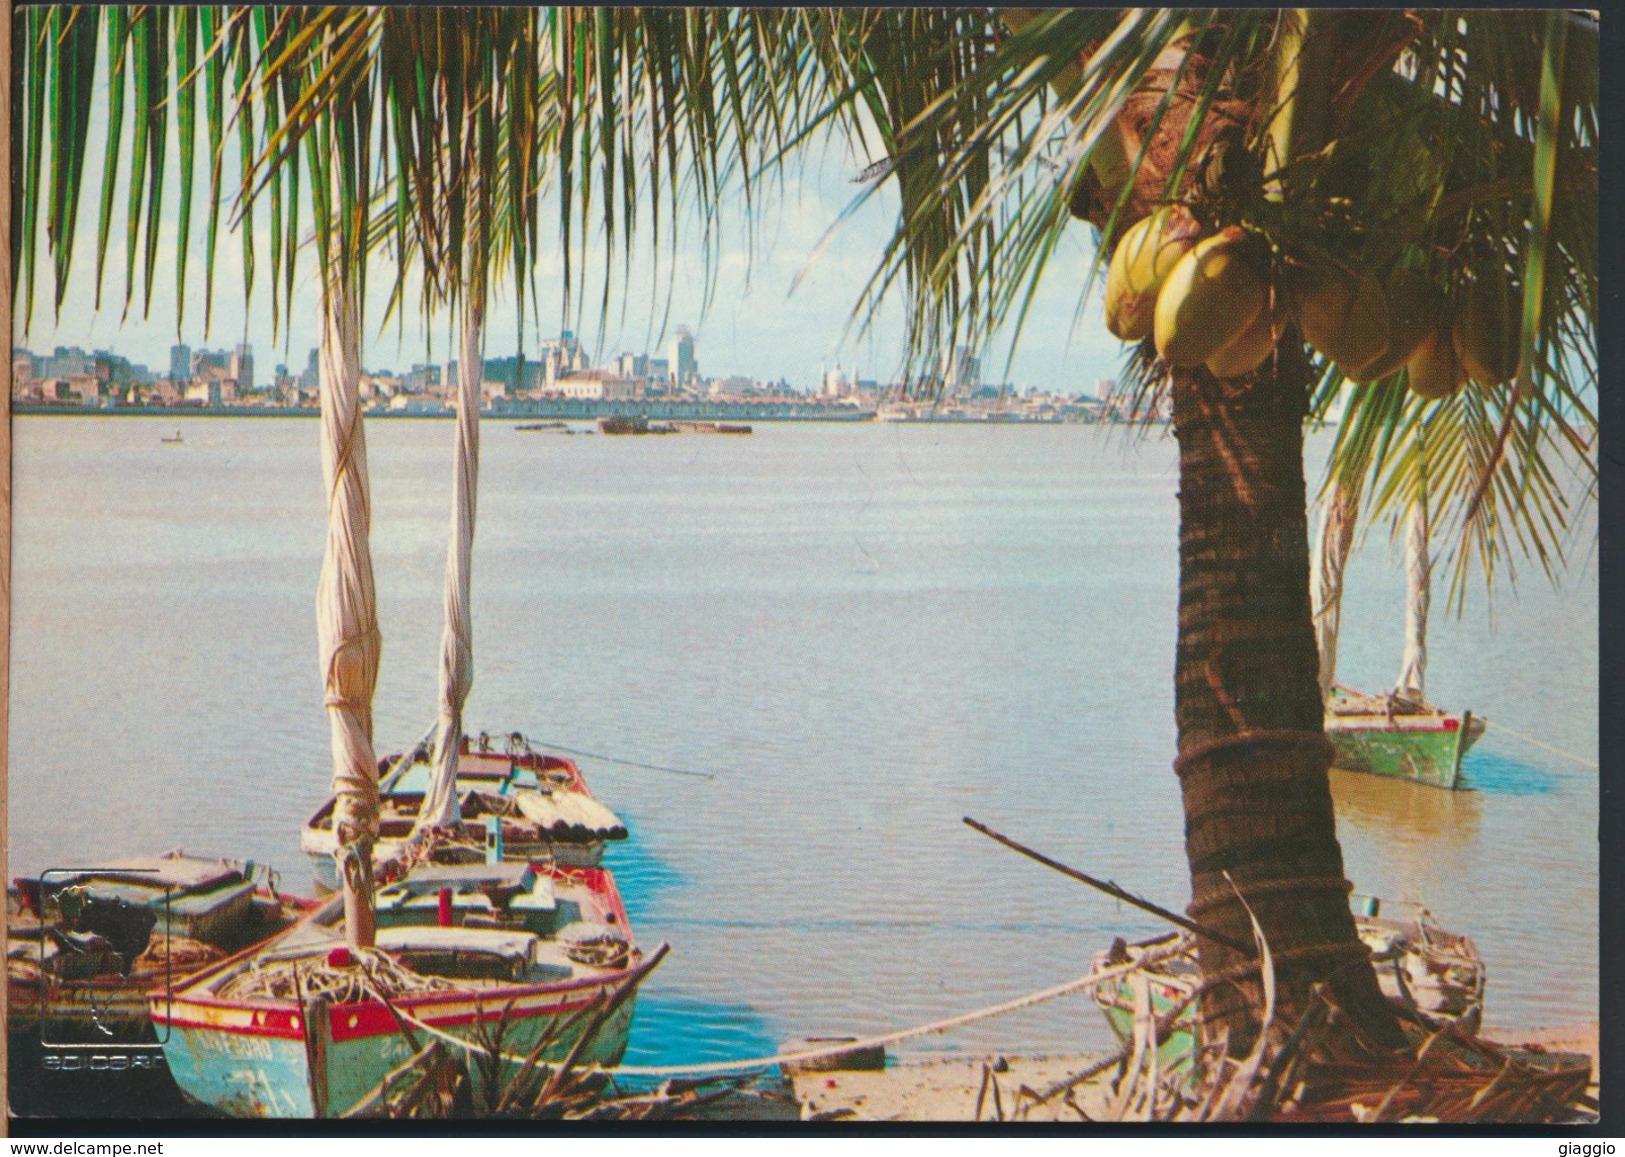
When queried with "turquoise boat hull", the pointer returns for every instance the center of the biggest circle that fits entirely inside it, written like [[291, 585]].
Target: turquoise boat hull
[[247, 1038], [269, 1059]]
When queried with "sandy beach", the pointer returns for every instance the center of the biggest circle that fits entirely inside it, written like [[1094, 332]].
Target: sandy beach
[[954, 1087]]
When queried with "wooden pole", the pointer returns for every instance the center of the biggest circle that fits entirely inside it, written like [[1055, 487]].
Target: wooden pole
[[1112, 889]]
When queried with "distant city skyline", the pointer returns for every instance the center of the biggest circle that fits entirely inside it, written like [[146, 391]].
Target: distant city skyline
[[553, 363], [754, 326]]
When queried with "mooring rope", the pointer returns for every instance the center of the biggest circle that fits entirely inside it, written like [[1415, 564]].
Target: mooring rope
[[1580, 759], [752, 1063], [624, 762]]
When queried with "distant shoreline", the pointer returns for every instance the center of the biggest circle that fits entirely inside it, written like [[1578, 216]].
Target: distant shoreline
[[575, 411], [764, 412]]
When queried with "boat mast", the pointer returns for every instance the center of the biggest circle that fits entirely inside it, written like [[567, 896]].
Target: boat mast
[[1418, 568], [467, 269], [441, 807], [1337, 520], [346, 607]]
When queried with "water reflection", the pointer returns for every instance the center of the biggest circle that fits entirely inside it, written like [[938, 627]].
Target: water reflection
[[1414, 822], [671, 1028], [642, 877], [1498, 774]]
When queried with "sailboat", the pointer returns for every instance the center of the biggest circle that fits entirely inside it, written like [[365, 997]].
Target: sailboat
[[527, 957], [1398, 733], [512, 963], [538, 800]]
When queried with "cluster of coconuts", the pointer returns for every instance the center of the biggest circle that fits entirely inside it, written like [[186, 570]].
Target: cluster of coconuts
[[1208, 301]]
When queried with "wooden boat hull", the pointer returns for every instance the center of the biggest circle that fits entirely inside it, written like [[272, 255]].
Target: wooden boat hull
[[101, 1010], [265, 1060], [550, 815], [1418, 965], [1427, 752], [190, 931], [1425, 745], [318, 848], [1178, 1047], [262, 1055]]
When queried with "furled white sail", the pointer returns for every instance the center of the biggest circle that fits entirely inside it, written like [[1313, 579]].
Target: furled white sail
[[1326, 580], [440, 804], [346, 612], [1418, 568]]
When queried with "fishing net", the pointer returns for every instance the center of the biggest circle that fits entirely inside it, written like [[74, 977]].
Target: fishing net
[[177, 955], [596, 945], [369, 975]]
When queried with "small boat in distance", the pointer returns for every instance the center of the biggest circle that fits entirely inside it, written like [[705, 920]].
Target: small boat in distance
[[305, 1026], [1396, 735], [527, 804], [712, 427], [1400, 733], [176, 438], [84, 948], [633, 424]]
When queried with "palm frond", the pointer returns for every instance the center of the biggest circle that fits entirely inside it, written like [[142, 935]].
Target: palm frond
[[1458, 141]]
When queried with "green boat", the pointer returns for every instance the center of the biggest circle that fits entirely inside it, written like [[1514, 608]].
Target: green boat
[[1397, 736], [1433, 973]]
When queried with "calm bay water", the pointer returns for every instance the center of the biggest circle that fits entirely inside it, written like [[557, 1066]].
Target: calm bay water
[[865, 633]]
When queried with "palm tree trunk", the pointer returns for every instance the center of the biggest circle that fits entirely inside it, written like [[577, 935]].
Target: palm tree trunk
[[1252, 749], [346, 611]]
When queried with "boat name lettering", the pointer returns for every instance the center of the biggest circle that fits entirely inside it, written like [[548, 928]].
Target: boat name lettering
[[231, 1044]]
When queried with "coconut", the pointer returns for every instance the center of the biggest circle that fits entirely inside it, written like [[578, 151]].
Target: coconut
[[1249, 348], [1346, 318], [1212, 294], [1433, 371], [1414, 312], [1140, 264], [1486, 332]]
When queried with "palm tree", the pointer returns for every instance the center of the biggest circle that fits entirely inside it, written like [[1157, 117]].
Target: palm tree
[[1461, 145], [1458, 145], [465, 106]]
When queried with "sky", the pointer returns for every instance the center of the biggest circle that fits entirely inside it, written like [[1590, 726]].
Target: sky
[[754, 326]]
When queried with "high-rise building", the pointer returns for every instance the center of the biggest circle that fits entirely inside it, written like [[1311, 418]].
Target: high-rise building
[[214, 364], [180, 362], [684, 367], [241, 367], [966, 372], [312, 377]]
